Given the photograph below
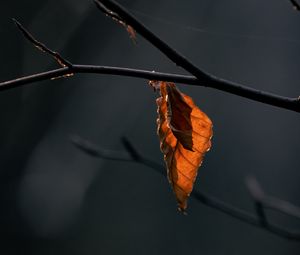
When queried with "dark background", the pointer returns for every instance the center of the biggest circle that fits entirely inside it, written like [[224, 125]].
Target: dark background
[[57, 200]]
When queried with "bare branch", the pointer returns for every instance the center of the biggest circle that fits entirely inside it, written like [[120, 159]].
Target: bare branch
[[256, 95], [234, 212], [69, 69], [42, 47], [149, 75], [180, 60], [295, 4], [95, 151]]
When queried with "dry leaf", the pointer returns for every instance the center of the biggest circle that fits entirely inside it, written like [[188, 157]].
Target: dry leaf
[[185, 136]]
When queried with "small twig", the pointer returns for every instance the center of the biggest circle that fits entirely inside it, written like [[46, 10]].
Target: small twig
[[42, 47], [94, 151], [234, 212], [295, 4]]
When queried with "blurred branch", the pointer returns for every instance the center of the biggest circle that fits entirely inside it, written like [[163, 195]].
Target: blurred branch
[[295, 5], [260, 199], [200, 78], [270, 202]]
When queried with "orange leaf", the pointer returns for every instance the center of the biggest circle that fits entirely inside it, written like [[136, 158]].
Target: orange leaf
[[185, 136]]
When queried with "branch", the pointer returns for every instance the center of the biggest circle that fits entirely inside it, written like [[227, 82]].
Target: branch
[[206, 78], [70, 69], [295, 5], [132, 155], [258, 195], [256, 95], [42, 47]]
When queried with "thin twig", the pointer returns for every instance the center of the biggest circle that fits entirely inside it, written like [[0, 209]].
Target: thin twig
[[295, 4], [131, 154], [203, 76], [42, 47]]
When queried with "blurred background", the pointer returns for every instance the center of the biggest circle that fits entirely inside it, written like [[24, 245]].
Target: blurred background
[[55, 199]]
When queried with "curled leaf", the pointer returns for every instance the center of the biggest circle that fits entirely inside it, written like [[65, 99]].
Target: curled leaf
[[185, 136]]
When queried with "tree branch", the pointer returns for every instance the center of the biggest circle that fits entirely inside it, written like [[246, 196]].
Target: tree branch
[[69, 69], [42, 47], [260, 220], [261, 96]]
